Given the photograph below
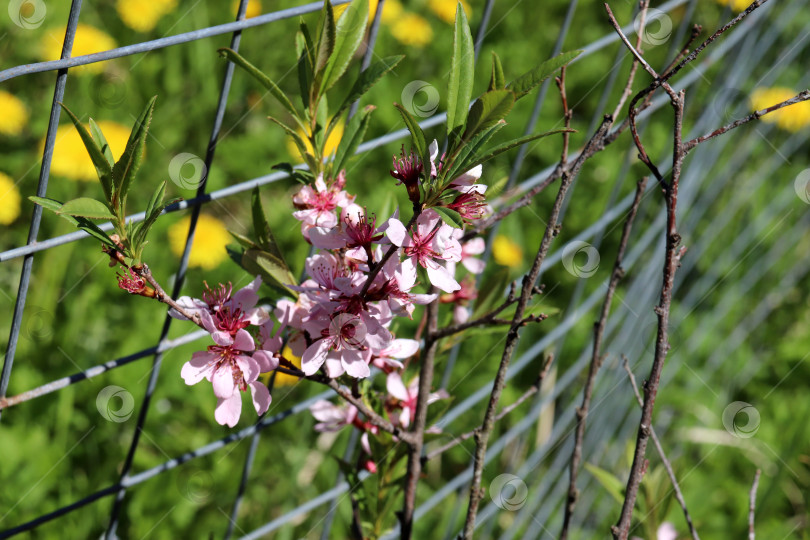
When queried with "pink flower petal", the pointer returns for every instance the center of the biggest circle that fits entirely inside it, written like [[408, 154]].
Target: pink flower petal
[[441, 278], [396, 232], [229, 410], [267, 362], [402, 348], [314, 356], [406, 274], [261, 397], [222, 380], [247, 297], [333, 366], [475, 266], [396, 387], [198, 367], [354, 364], [243, 341]]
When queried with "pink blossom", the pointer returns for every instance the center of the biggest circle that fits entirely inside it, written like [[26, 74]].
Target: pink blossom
[[131, 282], [407, 397], [388, 358], [230, 312], [356, 232], [230, 370], [461, 299], [316, 207], [469, 250], [333, 417], [345, 337], [432, 240]]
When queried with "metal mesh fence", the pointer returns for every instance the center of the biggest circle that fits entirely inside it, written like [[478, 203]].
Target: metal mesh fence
[[629, 329]]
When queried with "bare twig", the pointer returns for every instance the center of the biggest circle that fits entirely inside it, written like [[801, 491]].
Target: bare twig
[[752, 500], [162, 296], [484, 320], [512, 336], [419, 422], [671, 261], [801, 96], [667, 465], [628, 87], [596, 359], [533, 389]]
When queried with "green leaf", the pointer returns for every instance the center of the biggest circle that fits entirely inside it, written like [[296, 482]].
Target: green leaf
[[364, 82], [82, 223], [613, 485], [305, 63], [299, 175], [501, 148], [487, 110], [352, 138], [263, 79], [417, 135], [351, 28], [94, 148], [49, 204], [261, 228], [102, 141], [496, 80], [244, 241], [86, 207], [461, 163], [156, 199], [272, 269], [299, 143], [526, 82], [124, 171], [450, 216], [459, 88], [326, 39]]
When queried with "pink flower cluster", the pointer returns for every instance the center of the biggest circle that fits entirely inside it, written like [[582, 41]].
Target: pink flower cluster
[[234, 362], [361, 277]]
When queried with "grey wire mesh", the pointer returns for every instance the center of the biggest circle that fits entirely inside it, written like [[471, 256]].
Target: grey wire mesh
[[644, 258]]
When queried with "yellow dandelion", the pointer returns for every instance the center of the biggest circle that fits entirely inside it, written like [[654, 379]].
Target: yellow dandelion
[[15, 114], [282, 379], [506, 252], [446, 9], [143, 15], [9, 200], [392, 9], [210, 239], [412, 29], [88, 40], [791, 118], [70, 158], [254, 8], [736, 5], [332, 143]]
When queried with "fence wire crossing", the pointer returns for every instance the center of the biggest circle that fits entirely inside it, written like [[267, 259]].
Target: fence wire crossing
[[617, 416]]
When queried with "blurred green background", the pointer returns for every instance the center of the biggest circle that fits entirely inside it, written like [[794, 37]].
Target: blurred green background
[[58, 448]]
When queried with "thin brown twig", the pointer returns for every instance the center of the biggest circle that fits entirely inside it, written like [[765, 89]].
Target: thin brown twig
[[162, 296], [752, 501], [628, 87], [484, 320], [596, 359], [512, 336], [756, 115], [659, 447], [533, 389], [671, 261]]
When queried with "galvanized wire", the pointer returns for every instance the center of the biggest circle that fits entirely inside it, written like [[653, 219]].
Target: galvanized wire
[[557, 442]]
